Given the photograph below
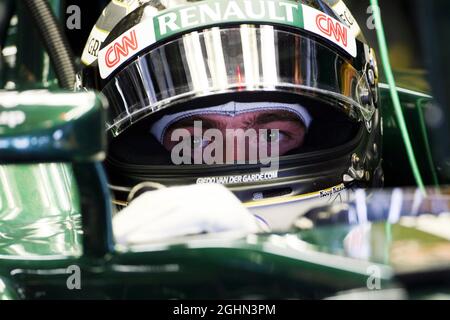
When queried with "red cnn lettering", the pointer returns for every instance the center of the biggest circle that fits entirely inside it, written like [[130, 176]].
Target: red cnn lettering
[[332, 28], [119, 50]]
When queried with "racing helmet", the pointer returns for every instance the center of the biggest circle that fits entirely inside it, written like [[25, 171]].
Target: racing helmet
[[180, 60]]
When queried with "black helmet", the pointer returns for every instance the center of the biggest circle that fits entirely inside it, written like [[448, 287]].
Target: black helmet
[[307, 58]]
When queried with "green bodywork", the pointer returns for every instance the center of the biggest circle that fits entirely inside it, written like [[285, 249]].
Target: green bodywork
[[55, 212], [41, 232]]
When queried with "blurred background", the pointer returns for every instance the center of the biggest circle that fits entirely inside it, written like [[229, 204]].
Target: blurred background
[[402, 35]]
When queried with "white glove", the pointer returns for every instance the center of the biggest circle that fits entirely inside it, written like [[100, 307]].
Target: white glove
[[182, 211]]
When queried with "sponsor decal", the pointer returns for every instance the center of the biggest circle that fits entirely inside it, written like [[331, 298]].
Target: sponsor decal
[[333, 194], [95, 41], [332, 191], [218, 11], [240, 179], [214, 12], [329, 28], [126, 46], [93, 46], [121, 49], [111, 16], [344, 13]]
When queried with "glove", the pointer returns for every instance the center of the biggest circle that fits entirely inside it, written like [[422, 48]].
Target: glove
[[183, 211]]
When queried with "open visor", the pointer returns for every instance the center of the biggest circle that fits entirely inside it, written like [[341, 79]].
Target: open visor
[[226, 60]]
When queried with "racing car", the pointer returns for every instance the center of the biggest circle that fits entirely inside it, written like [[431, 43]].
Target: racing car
[[71, 229]]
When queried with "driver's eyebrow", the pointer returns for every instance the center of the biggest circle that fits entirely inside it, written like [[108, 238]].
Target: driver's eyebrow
[[190, 122], [269, 117]]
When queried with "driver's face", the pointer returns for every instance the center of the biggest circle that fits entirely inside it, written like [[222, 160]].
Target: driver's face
[[290, 137]]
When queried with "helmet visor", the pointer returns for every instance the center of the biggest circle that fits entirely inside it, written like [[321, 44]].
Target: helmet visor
[[228, 60]]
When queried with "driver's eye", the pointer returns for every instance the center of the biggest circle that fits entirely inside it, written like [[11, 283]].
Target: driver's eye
[[199, 142], [273, 136]]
